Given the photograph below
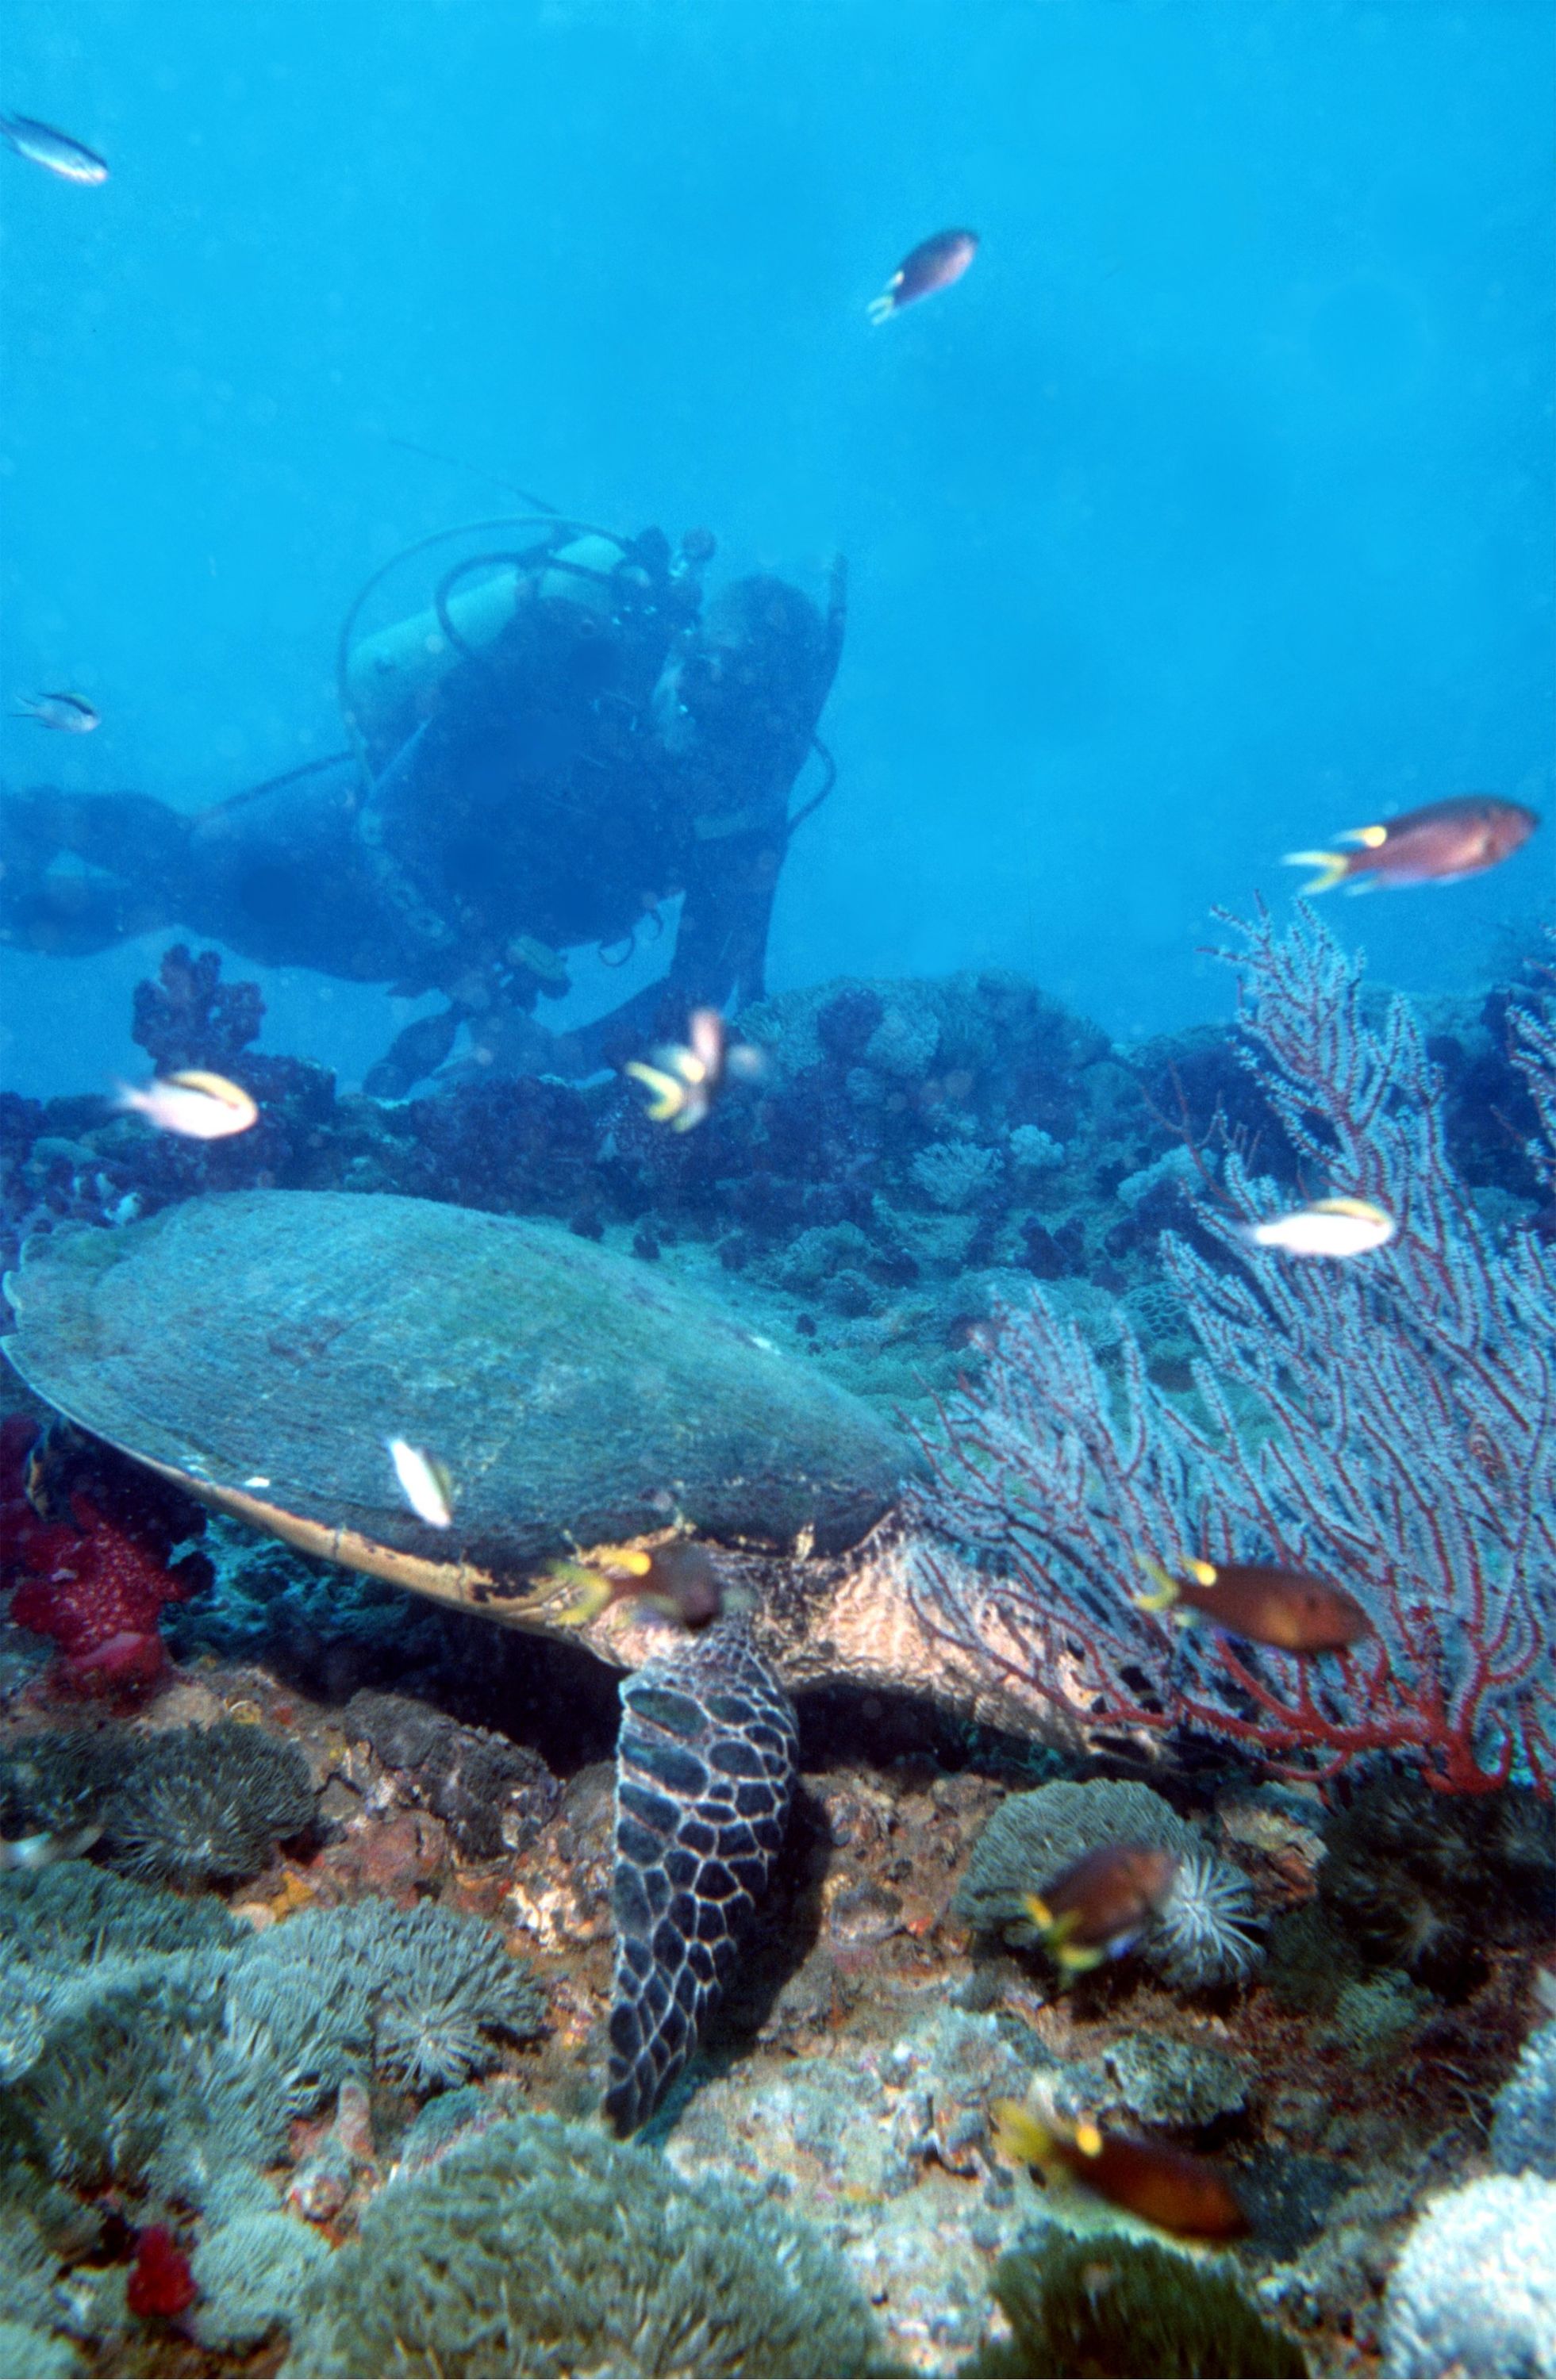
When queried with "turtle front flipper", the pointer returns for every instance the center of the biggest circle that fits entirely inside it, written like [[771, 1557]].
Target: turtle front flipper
[[705, 1765]]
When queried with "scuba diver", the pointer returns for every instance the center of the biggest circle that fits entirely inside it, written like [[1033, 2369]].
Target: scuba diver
[[556, 748]]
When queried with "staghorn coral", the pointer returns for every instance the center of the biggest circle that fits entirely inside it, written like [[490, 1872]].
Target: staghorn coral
[[1204, 1932], [540, 2247], [1388, 1423], [198, 1803], [1127, 2306]]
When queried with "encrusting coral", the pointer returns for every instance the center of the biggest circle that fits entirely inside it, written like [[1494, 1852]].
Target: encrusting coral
[[1116, 2306], [1205, 1930], [541, 2247]]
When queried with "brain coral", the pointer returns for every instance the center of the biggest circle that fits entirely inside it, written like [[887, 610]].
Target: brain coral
[[1203, 1934], [541, 2247]]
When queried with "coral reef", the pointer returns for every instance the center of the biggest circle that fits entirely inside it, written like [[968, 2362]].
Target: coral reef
[[1386, 1424], [540, 2247], [1475, 2290], [1125, 2307], [1204, 1932], [248, 2274]]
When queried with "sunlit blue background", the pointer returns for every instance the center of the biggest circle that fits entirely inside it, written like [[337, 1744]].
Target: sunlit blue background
[[1210, 513]]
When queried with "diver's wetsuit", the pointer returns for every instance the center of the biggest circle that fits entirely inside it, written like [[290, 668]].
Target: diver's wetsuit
[[599, 755]]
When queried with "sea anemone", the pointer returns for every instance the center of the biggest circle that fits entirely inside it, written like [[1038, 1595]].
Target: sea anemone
[[199, 1803], [1205, 1929]]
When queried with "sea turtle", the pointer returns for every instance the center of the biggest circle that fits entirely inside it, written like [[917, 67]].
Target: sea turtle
[[262, 1347]]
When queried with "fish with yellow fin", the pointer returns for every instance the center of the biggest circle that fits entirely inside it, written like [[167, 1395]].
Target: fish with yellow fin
[[1291, 1609], [687, 1079], [676, 1578], [1101, 1905], [1436, 844], [1170, 2187]]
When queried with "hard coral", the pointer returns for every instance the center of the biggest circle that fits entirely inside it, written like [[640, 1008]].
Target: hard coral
[[1475, 2290], [540, 2247], [1523, 2127]]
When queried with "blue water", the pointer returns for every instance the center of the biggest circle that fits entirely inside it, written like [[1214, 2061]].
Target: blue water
[[1210, 513]]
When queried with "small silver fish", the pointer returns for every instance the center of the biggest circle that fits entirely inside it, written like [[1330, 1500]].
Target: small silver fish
[[194, 1104], [424, 1482], [71, 715], [55, 152], [28, 1851], [1330, 1227]]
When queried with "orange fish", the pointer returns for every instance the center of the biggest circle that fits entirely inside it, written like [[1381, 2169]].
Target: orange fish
[[1168, 2187], [1102, 1904], [1436, 844], [934, 264], [1289, 1608]]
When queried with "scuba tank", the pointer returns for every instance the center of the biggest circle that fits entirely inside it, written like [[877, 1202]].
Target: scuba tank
[[388, 682]]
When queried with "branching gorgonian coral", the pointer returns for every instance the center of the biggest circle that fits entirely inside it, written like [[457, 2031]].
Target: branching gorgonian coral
[[1390, 1423]]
